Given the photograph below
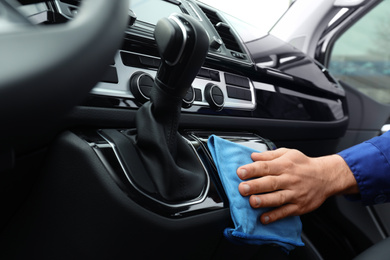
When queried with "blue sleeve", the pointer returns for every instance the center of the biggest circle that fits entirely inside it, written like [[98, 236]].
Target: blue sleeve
[[370, 164]]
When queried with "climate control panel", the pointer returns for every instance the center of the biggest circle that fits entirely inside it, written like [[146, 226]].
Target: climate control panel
[[134, 75]]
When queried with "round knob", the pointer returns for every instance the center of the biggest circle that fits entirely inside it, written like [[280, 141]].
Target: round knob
[[189, 98], [214, 96], [141, 84]]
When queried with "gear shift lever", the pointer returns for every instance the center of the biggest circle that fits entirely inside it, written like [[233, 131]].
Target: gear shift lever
[[183, 44], [170, 163]]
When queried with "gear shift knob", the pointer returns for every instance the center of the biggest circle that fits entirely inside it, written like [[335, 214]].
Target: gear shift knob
[[183, 44]]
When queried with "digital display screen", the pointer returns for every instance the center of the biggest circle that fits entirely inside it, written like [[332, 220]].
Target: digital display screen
[[150, 11]]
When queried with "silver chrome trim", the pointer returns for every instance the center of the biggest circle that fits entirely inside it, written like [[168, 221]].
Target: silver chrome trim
[[139, 85], [264, 86], [279, 75], [193, 98], [185, 35], [198, 200], [212, 97], [65, 9], [195, 11]]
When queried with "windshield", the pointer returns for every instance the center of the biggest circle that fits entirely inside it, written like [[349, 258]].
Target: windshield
[[262, 14]]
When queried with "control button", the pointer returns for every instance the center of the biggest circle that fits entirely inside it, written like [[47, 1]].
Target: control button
[[214, 75], [216, 43], [188, 98], [141, 84], [237, 80], [149, 62], [139, 61], [111, 76], [239, 93], [132, 17], [198, 94], [204, 73], [209, 74], [238, 55], [214, 96]]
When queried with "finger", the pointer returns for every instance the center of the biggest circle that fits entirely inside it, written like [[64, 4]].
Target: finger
[[271, 200], [258, 169], [269, 155], [262, 185], [279, 213]]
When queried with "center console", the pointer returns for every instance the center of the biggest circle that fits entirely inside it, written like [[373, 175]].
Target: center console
[[126, 176]]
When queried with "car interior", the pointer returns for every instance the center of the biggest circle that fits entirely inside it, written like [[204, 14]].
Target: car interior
[[107, 107]]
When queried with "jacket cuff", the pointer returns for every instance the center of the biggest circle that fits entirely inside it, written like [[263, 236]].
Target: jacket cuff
[[369, 163]]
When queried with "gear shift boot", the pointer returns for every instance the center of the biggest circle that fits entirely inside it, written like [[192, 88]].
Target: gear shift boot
[[168, 158]]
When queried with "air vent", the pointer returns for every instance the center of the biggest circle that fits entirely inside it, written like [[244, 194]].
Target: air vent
[[223, 30]]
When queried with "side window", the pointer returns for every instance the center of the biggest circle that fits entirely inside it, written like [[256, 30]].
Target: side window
[[361, 56]]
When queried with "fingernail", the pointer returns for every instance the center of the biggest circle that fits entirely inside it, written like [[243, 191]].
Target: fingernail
[[245, 188], [257, 201], [266, 220], [242, 173]]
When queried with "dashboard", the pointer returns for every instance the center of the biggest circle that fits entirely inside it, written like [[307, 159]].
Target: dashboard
[[262, 78], [259, 80]]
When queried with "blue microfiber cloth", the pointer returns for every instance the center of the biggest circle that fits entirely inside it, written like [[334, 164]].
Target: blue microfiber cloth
[[228, 156]]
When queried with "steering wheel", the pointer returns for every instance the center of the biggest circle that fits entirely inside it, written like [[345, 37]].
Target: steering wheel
[[47, 70]]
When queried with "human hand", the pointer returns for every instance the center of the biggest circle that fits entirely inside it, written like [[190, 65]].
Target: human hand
[[293, 183]]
